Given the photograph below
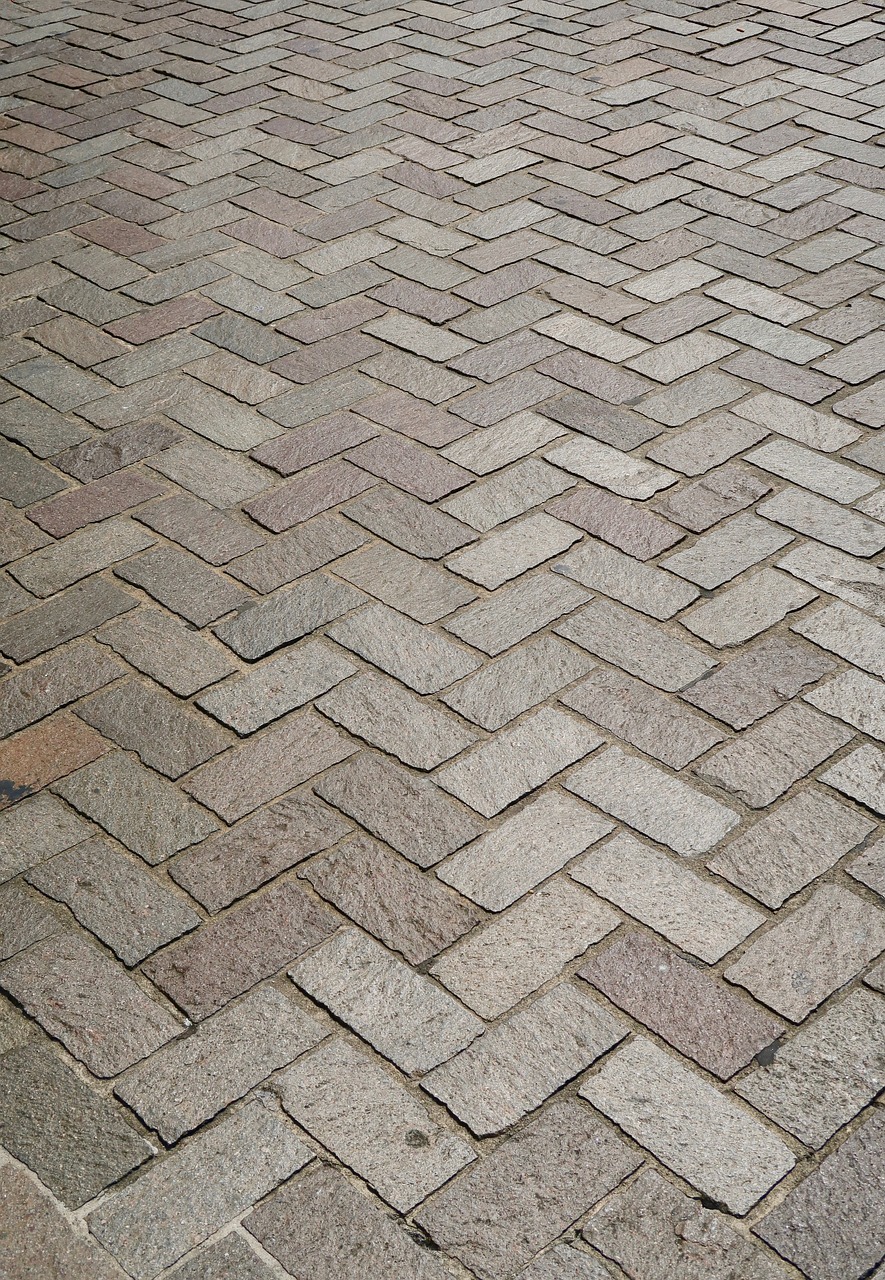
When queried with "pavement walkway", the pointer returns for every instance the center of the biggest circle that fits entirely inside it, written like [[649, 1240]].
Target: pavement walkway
[[442, 508]]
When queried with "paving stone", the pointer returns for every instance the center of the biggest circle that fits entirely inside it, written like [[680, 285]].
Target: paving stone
[[512, 493], [322, 1221], [40, 755], [641, 586], [631, 529], [774, 754], [848, 633], [623, 473], [757, 681], [24, 919], [411, 525], [425, 661], [146, 813], [402, 1014], [180, 582], [78, 610], [377, 1132], [231, 1256], [34, 830], [506, 687], [411, 814], [831, 1223], [786, 849], [55, 681], [565, 1263], [40, 1236], [500, 1213], [514, 955], [721, 555], [826, 1073], [869, 867], [699, 1133], [100, 1014], [497, 773], [260, 628], [825, 521], [424, 592], [229, 955], [77, 1142], [309, 495], [506, 554], [235, 1163], [165, 649], [806, 468], [291, 555], [703, 502], [860, 776], [192, 1079], [678, 1238], [617, 636], [811, 952], [653, 723], [517, 611], [167, 735], [277, 686], [94, 502], [515, 1066], [116, 449], [700, 448]]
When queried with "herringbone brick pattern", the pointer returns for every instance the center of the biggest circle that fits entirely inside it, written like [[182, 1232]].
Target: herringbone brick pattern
[[442, 637]]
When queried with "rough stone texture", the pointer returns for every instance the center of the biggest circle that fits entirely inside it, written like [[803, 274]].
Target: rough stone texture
[[514, 683], [702, 1135], [219, 1174], [759, 680], [833, 1224], [38, 1237], [499, 1214], [372, 1123], [191, 1080], [277, 686], [231, 1257], [690, 1009], [516, 1065], [35, 830]]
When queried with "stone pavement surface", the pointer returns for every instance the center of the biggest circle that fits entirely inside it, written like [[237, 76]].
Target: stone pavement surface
[[442, 630]]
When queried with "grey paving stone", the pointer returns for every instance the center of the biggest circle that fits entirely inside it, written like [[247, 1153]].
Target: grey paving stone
[[623, 473], [640, 586], [518, 1064], [409, 912], [856, 698], [500, 771], [383, 1131], [116, 898], [261, 628], [504, 555], [518, 489], [77, 1142], [562, 1262], [411, 814], [324, 1222], [860, 776], [651, 1229], [664, 808], [693, 1011], [230, 1166], [144, 812], [786, 849], [515, 612], [234, 862], [811, 952], [758, 680], [750, 607], [831, 1225], [695, 915], [24, 919], [221, 478], [55, 681], [723, 554], [424, 592], [769, 758], [281, 684], [869, 867], [707, 1138], [496, 967], [165, 649], [703, 502], [502, 1212], [183, 584], [411, 525], [192, 1079], [426, 661], [50, 1239], [523, 850], [824, 1074], [100, 1014], [825, 521], [707, 445], [76, 611], [88, 551], [849, 633], [617, 636], [34, 830], [402, 1014], [806, 468], [231, 1257], [307, 547], [632, 529]]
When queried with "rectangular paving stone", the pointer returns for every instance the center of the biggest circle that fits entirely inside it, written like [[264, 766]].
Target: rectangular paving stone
[[515, 612], [622, 473], [409, 912], [386, 715], [93, 502], [757, 680], [524, 850], [825, 521], [75, 612], [661, 807], [144, 812], [869, 867], [501, 770], [721, 555], [497, 1215], [504, 688], [824, 1074], [34, 830], [24, 919], [807, 469], [425, 592], [786, 849], [488, 503], [189, 1081], [227, 956], [702, 1135], [655, 1231], [40, 755], [183, 584], [99, 1013], [76, 1142], [230, 1166], [811, 952], [832, 1224], [692, 1010], [50, 1239], [496, 967], [632, 529], [424, 660], [308, 495], [640, 586], [260, 628], [322, 1221], [88, 551], [856, 698], [695, 915], [215, 536], [262, 769], [231, 1255], [55, 681], [860, 776], [404, 1015], [562, 1262], [369, 1119], [770, 757], [166, 649], [516, 1065], [413, 526], [116, 898], [849, 633], [797, 421], [743, 611], [510, 552], [279, 685], [644, 649]]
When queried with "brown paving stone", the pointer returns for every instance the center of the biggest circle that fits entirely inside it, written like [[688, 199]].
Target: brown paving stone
[[40, 756], [93, 502]]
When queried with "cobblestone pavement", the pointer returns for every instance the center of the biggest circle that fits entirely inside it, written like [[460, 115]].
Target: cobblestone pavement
[[442, 630]]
